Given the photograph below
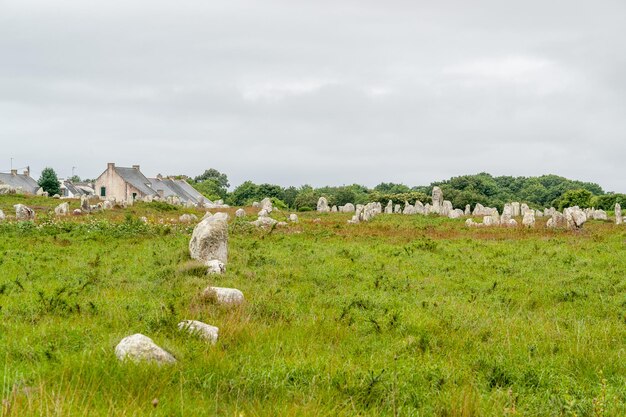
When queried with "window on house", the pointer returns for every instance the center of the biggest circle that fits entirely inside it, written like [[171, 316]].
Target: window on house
[[103, 191]]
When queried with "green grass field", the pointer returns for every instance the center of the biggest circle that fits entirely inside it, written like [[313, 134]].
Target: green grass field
[[404, 315]]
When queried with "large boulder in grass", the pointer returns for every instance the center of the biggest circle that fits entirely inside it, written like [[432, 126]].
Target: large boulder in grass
[[202, 330], [24, 213], [266, 204], [575, 217], [140, 348], [2, 216], [209, 239], [529, 218], [240, 213], [618, 214], [229, 296]]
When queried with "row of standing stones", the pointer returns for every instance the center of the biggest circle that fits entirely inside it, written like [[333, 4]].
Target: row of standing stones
[[571, 218], [209, 245]]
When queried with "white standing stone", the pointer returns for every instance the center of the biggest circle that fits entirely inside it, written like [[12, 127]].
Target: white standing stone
[[397, 208], [575, 217], [231, 296], [266, 204], [62, 209], [2, 216], [139, 348], [293, 217], [333, 209], [209, 239], [468, 210], [516, 209], [529, 218], [24, 213], [389, 207], [446, 208], [203, 330], [437, 197], [322, 205], [600, 215], [348, 208], [240, 213], [618, 214]]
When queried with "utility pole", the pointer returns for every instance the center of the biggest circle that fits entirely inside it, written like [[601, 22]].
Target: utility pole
[[73, 168], [11, 163]]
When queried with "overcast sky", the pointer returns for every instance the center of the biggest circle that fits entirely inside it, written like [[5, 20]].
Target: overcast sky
[[320, 92]]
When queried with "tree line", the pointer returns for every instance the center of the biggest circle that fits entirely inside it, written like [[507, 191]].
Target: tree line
[[483, 188]]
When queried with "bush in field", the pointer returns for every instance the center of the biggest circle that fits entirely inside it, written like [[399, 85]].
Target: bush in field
[[581, 198], [49, 181], [607, 201]]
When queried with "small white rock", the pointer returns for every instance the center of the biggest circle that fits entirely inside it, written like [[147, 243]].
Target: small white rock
[[215, 266], [141, 348], [205, 331], [225, 295]]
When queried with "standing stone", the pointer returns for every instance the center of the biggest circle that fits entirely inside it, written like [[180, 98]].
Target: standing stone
[[397, 208], [437, 197], [556, 220], [62, 209], [455, 214], [263, 213], [529, 218], [446, 208], [85, 207], [209, 239], [24, 213], [293, 217], [240, 213], [618, 214], [140, 348], [203, 330], [468, 210], [322, 205], [523, 209], [516, 209], [256, 204], [408, 209], [389, 207], [507, 214], [600, 215], [333, 209], [107, 205], [266, 204], [348, 208], [2, 216], [575, 217]]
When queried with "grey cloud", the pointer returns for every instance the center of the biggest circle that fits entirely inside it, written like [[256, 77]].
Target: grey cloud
[[326, 92]]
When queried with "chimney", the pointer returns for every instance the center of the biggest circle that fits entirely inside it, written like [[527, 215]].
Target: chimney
[[159, 177], [110, 166], [136, 167], [27, 171], [14, 172]]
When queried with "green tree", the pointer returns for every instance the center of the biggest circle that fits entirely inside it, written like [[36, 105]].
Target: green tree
[[74, 179], [580, 197], [244, 194], [214, 175], [49, 181]]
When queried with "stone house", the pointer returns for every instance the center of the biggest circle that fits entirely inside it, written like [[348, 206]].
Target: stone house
[[21, 182], [123, 184]]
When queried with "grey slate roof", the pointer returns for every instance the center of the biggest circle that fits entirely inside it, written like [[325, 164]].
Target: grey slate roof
[[135, 178], [179, 188], [25, 182], [72, 189]]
